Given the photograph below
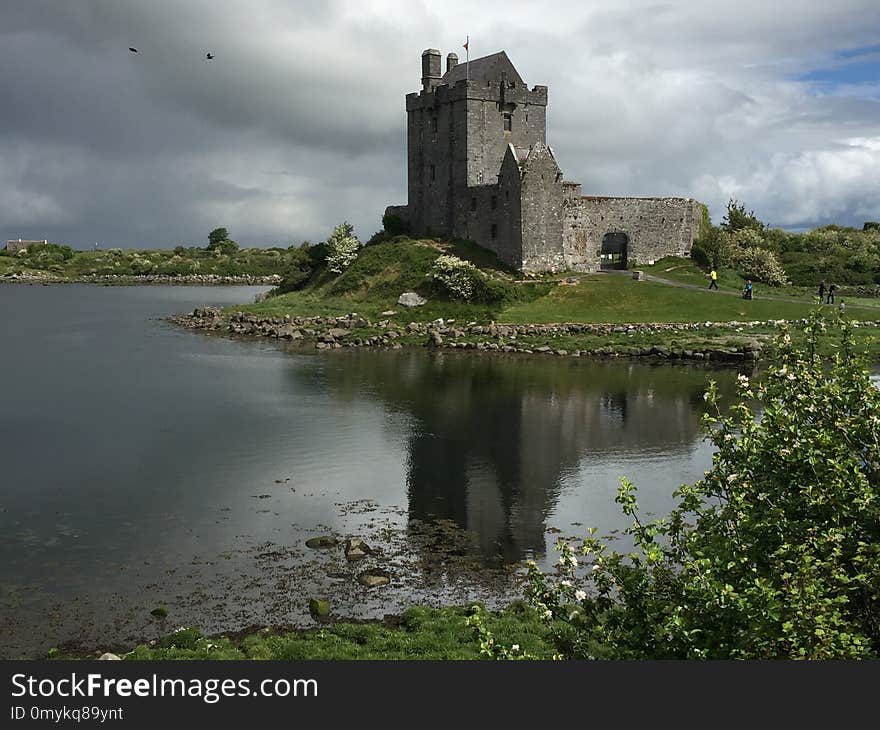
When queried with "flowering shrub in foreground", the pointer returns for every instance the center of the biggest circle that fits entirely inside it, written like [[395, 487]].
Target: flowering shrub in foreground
[[774, 554]]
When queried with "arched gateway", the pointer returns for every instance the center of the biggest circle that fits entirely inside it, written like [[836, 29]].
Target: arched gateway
[[613, 253]]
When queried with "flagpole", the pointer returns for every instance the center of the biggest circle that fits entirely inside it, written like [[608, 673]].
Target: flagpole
[[467, 63]]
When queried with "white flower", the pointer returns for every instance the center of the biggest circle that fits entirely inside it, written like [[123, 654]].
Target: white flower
[[515, 647], [732, 477], [548, 614], [742, 379], [580, 595], [597, 568], [566, 583]]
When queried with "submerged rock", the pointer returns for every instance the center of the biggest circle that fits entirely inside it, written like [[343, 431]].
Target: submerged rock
[[319, 608], [323, 542], [373, 579]]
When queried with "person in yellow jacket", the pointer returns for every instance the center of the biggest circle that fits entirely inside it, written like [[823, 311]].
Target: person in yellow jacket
[[713, 279]]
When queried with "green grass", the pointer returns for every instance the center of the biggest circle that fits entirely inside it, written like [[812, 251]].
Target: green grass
[[615, 298], [420, 633], [383, 271]]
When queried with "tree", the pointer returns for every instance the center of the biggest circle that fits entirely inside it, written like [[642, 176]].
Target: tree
[[342, 248], [774, 554], [219, 242], [736, 218], [713, 248], [216, 237]]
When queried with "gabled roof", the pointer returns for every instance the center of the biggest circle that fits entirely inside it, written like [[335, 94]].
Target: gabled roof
[[487, 68]]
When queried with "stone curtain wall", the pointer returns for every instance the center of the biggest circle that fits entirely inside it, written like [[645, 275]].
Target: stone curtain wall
[[655, 227]]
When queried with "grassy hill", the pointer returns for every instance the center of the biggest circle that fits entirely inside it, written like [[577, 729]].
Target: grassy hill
[[383, 271]]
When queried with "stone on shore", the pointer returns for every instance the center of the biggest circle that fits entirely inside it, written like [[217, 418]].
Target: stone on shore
[[373, 579], [321, 543], [109, 656], [411, 299], [357, 549]]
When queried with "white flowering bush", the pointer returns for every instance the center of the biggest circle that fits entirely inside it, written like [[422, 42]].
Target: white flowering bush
[[759, 264], [775, 553], [458, 277], [342, 248]]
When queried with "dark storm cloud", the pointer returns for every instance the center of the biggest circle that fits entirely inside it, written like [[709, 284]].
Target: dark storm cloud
[[298, 122]]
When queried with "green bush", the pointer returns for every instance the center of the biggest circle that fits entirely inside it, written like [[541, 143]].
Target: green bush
[[305, 262], [775, 553], [394, 225], [44, 255], [700, 257]]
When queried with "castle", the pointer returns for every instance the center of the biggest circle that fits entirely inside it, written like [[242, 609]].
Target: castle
[[478, 167]]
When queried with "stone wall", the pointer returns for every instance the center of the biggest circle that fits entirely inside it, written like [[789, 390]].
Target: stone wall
[[542, 212], [20, 245], [655, 227]]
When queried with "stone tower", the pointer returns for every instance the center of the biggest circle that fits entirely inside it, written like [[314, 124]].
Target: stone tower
[[459, 128], [478, 167]]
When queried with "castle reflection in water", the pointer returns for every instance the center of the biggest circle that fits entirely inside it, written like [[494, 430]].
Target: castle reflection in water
[[493, 439]]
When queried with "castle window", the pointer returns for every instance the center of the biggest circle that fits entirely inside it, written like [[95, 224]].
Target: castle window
[[494, 230], [473, 203], [508, 122], [433, 173], [434, 125], [494, 202], [507, 196]]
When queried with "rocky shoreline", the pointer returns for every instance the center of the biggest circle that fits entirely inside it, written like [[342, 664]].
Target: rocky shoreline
[[125, 280], [354, 330]]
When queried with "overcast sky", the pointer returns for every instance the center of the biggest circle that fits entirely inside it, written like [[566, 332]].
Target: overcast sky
[[299, 122]]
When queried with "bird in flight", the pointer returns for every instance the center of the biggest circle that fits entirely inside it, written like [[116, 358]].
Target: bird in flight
[[209, 56], [133, 50]]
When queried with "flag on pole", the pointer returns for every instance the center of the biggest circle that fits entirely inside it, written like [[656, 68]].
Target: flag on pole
[[467, 67]]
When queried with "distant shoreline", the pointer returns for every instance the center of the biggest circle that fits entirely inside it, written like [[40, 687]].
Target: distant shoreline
[[152, 279]]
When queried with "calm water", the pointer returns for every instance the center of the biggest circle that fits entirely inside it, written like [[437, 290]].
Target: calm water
[[146, 465]]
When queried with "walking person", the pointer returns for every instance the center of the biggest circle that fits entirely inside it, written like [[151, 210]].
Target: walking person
[[821, 291], [747, 292], [713, 277], [831, 290]]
